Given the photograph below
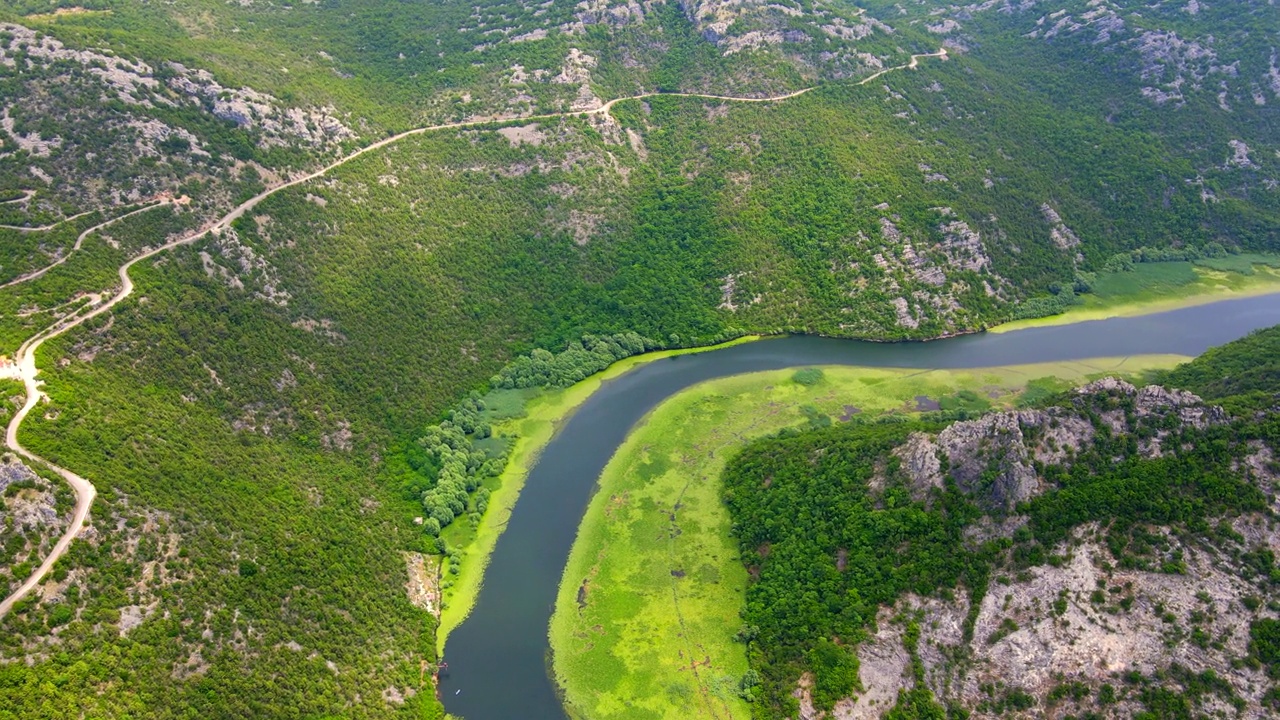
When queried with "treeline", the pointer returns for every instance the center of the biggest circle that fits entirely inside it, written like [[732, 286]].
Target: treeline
[[583, 358], [1062, 296], [450, 467]]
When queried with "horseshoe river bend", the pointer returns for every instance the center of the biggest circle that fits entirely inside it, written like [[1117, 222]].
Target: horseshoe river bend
[[498, 657]]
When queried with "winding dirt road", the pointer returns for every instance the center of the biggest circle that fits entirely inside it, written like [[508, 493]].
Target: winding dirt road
[[26, 197], [25, 369], [46, 228], [80, 241]]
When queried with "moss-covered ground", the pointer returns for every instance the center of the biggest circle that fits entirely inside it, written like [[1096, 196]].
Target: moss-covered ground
[[648, 607]]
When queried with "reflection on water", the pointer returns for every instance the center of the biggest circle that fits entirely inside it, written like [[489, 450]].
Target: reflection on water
[[498, 658]]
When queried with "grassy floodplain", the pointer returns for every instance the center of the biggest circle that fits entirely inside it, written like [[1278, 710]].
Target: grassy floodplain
[[532, 424], [648, 606], [1160, 287]]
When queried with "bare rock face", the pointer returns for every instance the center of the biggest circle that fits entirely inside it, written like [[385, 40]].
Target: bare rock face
[[29, 519], [988, 458], [883, 667], [31, 510], [1061, 433], [1061, 235], [1191, 410], [919, 456], [993, 458], [1083, 621]]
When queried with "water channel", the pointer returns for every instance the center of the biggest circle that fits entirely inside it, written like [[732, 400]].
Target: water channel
[[498, 665]]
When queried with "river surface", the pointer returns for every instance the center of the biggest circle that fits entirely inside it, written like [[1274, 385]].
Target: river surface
[[498, 658]]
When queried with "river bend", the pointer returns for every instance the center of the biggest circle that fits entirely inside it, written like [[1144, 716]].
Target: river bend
[[498, 658]]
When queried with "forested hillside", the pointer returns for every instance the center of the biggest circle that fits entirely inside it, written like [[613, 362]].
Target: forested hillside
[[251, 416], [1111, 552]]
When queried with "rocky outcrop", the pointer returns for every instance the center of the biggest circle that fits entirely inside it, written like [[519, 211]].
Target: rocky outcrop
[[31, 509], [29, 520], [1059, 233], [989, 459], [927, 276], [993, 458], [1081, 622], [919, 456], [136, 83], [1060, 434], [1150, 406]]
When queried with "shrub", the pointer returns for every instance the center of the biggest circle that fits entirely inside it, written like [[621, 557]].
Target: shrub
[[808, 376]]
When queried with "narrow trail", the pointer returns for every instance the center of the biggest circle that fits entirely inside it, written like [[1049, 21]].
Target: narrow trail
[[80, 241], [24, 367], [46, 228], [26, 196]]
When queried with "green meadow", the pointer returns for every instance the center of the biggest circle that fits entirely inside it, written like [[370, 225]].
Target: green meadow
[[647, 612], [1162, 286]]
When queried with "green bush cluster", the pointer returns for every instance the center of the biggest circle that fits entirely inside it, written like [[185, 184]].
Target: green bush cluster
[[580, 360], [1038, 307], [807, 376], [460, 469]]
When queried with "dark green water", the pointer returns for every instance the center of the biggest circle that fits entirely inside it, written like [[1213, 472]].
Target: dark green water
[[498, 657]]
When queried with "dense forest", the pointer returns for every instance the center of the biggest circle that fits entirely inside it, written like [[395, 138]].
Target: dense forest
[[836, 523]]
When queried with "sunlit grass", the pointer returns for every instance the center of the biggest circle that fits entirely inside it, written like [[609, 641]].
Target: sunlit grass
[[1159, 287]]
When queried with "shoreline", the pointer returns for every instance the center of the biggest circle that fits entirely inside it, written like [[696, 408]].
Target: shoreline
[[543, 417], [544, 414], [1263, 282]]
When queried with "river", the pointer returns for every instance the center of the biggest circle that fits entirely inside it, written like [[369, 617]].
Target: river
[[498, 664]]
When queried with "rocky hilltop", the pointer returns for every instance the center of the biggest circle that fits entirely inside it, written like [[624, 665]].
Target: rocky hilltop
[[1054, 637], [995, 458], [1111, 554]]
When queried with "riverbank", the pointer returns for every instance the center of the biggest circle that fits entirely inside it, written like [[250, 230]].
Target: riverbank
[[532, 428], [1146, 290], [647, 609], [535, 425]]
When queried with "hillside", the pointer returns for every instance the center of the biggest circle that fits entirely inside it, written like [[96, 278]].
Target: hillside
[[1110, 553], [251, 414]]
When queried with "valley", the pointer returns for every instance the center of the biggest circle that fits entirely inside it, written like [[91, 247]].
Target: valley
[[503, 641], [301, 305], [24, 359]]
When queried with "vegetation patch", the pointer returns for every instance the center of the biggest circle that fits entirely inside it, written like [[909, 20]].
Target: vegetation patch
[[1150, 287], [647, 619]]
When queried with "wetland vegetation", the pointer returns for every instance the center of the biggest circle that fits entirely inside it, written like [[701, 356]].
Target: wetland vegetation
[[648, 620]]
